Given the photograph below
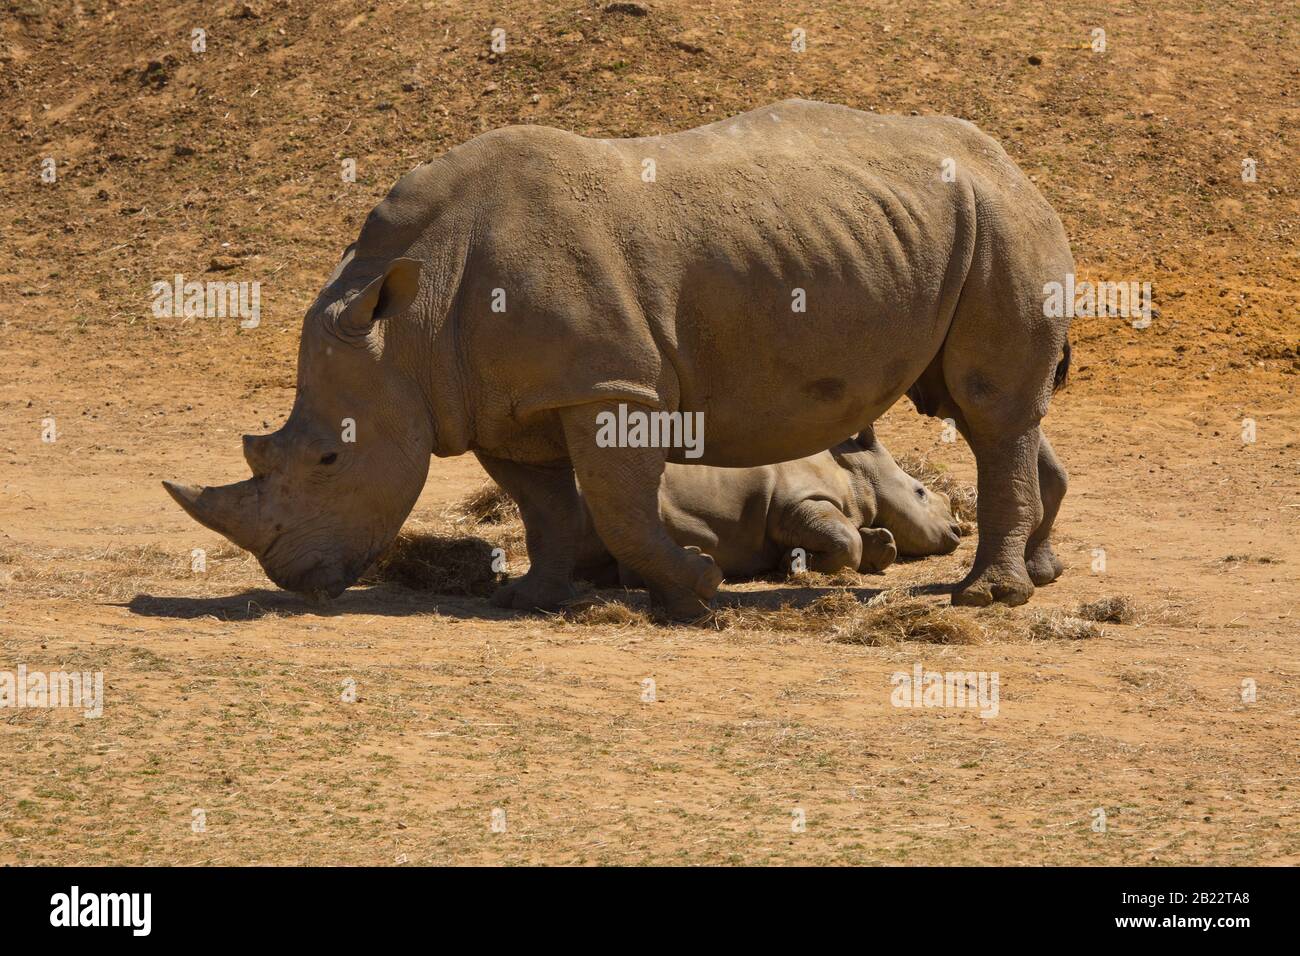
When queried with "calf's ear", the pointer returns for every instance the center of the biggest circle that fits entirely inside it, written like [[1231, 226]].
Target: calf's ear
[[866, 439], [384, 297]]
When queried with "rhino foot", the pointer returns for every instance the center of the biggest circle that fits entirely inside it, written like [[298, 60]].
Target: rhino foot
[[989, 586], [530, 593], [689, 604], [1043, 565]]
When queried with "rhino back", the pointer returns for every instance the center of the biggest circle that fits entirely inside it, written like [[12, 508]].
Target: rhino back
[[684, 292]]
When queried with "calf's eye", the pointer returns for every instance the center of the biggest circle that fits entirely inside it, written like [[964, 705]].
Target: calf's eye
[[330, 458]]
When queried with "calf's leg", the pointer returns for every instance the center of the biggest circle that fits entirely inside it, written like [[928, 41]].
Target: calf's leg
[[821, 530], [878, 550]]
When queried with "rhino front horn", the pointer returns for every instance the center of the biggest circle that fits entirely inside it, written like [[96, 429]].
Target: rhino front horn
[[229, 510]]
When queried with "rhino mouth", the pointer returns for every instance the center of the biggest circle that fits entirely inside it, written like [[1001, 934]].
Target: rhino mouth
[[316, 579], [318, 583]]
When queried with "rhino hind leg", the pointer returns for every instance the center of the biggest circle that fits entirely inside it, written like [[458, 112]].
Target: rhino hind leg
[[551, 511], [1008, 511], [620, 486], [1041, 561], [1006, 439], [999, 365]]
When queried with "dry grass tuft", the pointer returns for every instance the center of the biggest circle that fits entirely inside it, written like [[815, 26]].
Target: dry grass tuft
[[843, 578], [601, 612], [488, 504], [901, 617], [441, 556], [431, 562], [1059, 626], [814, 616], [885, 620], [1119, 609], [935, 477], [1169, 613], [1116, 609]]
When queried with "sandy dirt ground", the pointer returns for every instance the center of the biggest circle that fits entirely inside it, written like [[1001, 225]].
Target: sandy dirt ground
[[227, 735]]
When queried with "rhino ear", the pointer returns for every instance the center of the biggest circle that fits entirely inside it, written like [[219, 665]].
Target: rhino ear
[[384, 297]]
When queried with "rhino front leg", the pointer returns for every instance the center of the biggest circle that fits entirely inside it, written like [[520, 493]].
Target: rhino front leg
[[621, 488], [548, 502], [878, 550], [824, 533], [1040, 560]]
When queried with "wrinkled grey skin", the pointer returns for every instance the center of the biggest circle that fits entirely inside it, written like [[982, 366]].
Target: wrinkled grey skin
[[849, 507], [671, 294]]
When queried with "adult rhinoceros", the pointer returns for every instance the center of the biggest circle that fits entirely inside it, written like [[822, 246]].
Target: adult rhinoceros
[[788, 273]]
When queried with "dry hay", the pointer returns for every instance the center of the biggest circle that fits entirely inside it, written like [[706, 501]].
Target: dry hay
[[898, 616], [594, 611], [842, 578], [446, 564], [886, 619], [1116, 609], [1058, 626], [454, 554], [488, 504], [110, 573], [1120, 609], [901, 617]]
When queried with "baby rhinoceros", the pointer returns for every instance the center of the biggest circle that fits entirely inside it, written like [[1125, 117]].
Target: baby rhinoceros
[[849, 507]]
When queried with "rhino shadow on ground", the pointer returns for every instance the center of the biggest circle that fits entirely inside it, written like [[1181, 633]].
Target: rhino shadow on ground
[[450, 575], [419, 574], [253, 604], [390, 600]]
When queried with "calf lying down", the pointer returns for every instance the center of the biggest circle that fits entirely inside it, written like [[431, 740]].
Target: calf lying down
[[849, 507]]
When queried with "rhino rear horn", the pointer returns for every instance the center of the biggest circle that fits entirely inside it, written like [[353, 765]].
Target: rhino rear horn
[[229, 510], [384, 297]]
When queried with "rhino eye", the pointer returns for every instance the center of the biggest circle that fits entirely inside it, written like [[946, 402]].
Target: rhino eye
[[330, 458]]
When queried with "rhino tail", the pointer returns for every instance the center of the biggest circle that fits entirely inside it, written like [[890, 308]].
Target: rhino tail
[[1062, 368]]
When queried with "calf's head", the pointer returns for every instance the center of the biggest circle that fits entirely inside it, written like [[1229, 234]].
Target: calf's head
[[331, 488], [920, 520]]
